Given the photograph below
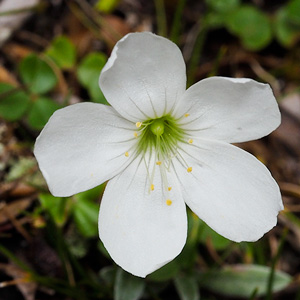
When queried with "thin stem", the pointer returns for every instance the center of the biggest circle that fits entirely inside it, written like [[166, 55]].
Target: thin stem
[[197, 51], [176, 25], [275, 259], [161, 17]]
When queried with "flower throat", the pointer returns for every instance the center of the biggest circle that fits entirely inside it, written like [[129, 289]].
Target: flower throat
[[161, 137]]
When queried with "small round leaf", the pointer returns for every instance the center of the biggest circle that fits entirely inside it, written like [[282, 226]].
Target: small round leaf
[[63, 52], [252, 26], [13, 103], [223, 6], [293, 11], [286, 32], [37, 74], [88, 75], [41, 111]]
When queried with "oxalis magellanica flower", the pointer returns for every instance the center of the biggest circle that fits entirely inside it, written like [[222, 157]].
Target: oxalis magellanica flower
[[161, 147]]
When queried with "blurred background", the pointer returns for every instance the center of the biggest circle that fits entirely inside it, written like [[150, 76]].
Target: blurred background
[[51, 55]]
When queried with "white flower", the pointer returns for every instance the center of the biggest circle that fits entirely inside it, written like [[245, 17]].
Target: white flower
[[162, 147]]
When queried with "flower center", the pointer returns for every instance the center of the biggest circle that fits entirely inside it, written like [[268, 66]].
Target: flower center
[[161, 137]]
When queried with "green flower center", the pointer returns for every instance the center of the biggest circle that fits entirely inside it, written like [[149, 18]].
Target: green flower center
[[161, 135], [161, 139]]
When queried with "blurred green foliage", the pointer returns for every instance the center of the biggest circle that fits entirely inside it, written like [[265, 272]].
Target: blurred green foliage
[[255, 28], [13, 102], [243, 280], [106, 6], [32, 101], [82, 207], [63, 52], [88, 75]]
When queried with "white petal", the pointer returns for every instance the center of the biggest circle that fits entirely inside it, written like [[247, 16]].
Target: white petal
[[139, 230], [83, 145], [229, 109], [144, 76], [229, 189]]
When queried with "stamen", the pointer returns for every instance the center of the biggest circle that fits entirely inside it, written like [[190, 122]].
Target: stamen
[[168, 202], [126, 154], [161, 138]]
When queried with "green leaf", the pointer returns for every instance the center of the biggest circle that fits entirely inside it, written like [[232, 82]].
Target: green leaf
[[88, 75], [96, 93], [293, 11], [187, 287], [108, 274], [85, 213], [218, 241], [63, 52], [127, 286], [102, 249], [251, 25], [286, 32], [92, 194], [57, 207], [13, 103], [106, 6], [37, 74], [215, 20], [166, 272], [40, 112], [242, 280], [223, 6]]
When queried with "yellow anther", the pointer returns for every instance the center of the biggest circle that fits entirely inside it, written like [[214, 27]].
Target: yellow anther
[[152, 187], [135, 134], [189, 169], [126, 154], [190, 141], [169, 188], [186, 115], [168, 202], [158, 163], [138, 124]]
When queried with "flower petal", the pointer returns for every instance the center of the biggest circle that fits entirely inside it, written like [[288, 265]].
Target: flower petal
[[229, 109], [139, 230], [83, 145], [229, 189], [144, 76]]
